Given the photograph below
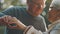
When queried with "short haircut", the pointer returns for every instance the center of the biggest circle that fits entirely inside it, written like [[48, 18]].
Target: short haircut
[[36, 1]]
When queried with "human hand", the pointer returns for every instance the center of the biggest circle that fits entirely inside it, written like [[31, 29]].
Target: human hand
[[19, 24], [13, 22], [6, 20]]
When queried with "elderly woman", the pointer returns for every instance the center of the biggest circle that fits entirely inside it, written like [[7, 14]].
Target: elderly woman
[[54, 15], [54, 11]]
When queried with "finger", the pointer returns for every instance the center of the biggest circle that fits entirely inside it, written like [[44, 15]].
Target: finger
[[5, 18], [12, 27], [15, 19], [9, 17]]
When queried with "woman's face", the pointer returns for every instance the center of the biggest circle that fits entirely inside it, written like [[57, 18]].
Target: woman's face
[[35, 8], [53, 14]]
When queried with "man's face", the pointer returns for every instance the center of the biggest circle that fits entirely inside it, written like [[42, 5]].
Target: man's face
[[35, 8], [54, 14]]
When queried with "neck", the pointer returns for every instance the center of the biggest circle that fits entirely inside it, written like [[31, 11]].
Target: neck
[[30, 13]]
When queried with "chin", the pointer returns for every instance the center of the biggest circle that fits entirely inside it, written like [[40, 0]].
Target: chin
[[36, 15]]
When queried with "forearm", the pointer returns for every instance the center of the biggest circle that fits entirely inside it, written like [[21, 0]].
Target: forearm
[[21, 26]]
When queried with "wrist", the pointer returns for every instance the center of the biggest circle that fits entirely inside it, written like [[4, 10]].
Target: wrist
[[27, 28]]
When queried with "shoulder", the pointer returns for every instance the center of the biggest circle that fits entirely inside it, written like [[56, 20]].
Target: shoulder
[[14, 9], [41, 17], [43, 20]]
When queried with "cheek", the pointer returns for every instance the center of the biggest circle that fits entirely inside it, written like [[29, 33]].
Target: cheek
[[34, 9], [52, 15], [39, 10]]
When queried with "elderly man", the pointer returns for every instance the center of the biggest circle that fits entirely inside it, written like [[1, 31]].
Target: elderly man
[[30, 16]]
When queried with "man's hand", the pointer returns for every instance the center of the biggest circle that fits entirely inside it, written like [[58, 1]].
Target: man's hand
[[12, 22], [18, 23]]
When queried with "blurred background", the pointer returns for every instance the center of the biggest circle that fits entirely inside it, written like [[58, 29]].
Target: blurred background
[[10, 3]]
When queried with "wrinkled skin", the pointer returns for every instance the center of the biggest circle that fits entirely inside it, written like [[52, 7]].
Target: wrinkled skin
[[54, 15]]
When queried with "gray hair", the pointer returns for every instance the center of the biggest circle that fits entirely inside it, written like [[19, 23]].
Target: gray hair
[[55, 4]]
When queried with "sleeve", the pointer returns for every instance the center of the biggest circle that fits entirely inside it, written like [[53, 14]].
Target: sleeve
[[32, 30], [1, 14]]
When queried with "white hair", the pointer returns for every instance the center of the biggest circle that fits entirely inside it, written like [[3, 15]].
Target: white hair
[[55, 4]]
